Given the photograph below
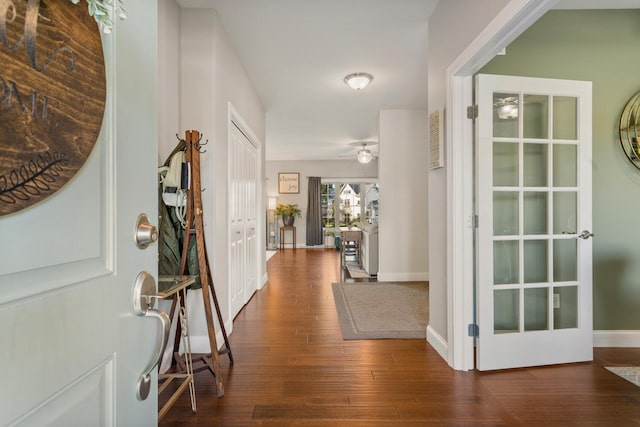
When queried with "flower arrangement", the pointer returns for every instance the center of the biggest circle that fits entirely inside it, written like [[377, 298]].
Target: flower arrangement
[[288, 213], [101, 12], [288, 210]]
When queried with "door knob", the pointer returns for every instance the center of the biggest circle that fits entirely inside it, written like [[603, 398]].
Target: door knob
[[145, 234], [586, 234], [144, 296]]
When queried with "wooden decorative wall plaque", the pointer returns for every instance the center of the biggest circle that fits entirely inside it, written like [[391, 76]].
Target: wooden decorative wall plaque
[[52, 97]]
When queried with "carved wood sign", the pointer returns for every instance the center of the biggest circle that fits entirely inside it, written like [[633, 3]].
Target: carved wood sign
[[52, 97]]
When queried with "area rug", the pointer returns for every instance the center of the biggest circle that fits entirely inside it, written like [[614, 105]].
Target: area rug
[[382, 309], [355, 271], [629, 373]]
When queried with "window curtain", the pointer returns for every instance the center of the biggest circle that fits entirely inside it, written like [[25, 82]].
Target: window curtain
[[314, 212]]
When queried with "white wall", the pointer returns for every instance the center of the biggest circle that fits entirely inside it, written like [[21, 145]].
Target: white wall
[[195, 96], [454, 24], [403, 231], [211, 77], [307, 168]]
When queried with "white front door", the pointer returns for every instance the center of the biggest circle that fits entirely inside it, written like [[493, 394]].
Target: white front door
[[243, 218], [72, 349], [533, 150]]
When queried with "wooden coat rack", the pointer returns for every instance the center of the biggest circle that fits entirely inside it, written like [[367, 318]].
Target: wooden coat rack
[[195, 226]]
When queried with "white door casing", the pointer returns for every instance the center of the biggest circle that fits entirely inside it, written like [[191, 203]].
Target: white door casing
[[251, 201], [534, 199], [236, 221], [455, 345], [243, 218], [72, 347]]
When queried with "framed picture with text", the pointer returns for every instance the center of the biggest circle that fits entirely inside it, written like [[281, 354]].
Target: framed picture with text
[[288, 183]]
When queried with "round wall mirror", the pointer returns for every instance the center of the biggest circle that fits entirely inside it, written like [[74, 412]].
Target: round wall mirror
[[630, 130]]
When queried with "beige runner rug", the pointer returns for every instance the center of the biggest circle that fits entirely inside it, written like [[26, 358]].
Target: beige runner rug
[[382, 309]]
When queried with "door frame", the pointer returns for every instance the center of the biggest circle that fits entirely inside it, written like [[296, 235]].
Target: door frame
[[512, 20]]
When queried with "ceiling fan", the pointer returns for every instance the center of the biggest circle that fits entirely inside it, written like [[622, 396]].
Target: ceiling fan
[[363, 155]]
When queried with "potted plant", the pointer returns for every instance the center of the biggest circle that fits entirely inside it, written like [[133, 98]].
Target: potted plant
[[288, 213], [329, 238]]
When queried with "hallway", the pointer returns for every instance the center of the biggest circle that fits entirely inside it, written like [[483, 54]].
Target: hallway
[[292, 367]]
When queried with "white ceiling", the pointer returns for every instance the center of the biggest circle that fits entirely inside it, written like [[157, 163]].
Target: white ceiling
[[297, 52]]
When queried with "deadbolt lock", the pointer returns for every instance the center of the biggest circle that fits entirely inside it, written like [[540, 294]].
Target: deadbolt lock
[[145, 234]]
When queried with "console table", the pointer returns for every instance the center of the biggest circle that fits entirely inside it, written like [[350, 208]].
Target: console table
[[285, 228]]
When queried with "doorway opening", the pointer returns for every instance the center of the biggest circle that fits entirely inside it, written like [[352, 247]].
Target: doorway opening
[[350, 216]]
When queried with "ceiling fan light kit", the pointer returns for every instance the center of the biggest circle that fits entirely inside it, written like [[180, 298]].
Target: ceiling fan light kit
[[358, 81], [364, 156]]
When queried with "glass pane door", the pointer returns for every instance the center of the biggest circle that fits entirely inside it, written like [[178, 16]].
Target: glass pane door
[[532, 195]]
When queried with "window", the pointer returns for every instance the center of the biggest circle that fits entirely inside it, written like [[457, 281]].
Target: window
[[371, 203], [327, 198], [346, 204], [349, 199]]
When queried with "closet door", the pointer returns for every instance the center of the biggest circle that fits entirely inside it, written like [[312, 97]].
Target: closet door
[[250, 158], [243, 193]]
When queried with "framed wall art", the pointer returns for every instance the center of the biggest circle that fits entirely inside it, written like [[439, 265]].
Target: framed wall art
[[289, 183]]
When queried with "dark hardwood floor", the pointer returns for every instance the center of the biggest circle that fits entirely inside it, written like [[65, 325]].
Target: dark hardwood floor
[[292, 368]]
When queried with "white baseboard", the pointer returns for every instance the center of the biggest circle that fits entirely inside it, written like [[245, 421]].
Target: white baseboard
[[200, 343], [403, 277], [439, 344], [302, 246], [228, 328], [626, 338], [265, 279], [629, 338]]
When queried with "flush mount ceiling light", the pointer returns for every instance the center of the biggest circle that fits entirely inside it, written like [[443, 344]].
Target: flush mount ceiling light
[[507, 108], [358, 81], [364, 155]]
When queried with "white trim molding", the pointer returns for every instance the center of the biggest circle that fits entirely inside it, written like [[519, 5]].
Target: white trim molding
[[403, 277], [516, 17], [438, 343], [624, 338]]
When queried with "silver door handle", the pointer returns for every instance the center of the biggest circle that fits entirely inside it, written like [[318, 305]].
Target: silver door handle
[[586, 234], [144, 297]]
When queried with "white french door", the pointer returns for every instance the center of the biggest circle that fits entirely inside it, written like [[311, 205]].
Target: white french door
[[243, 217], [533, 196]]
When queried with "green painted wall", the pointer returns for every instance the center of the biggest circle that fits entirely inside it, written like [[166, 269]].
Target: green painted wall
[[602, 47]]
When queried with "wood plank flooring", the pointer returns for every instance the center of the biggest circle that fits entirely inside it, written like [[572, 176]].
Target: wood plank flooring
[[292, 368]]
